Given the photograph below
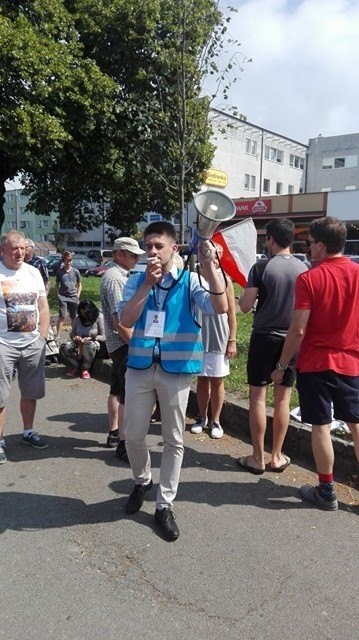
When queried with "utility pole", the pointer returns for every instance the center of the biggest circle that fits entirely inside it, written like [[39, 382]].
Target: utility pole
[[17, 210]]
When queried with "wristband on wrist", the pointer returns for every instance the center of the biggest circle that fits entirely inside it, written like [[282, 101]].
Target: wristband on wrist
[[279, 367], [232, 339]]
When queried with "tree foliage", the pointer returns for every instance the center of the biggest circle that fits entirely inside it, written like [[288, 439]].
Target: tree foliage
[[100, 100]]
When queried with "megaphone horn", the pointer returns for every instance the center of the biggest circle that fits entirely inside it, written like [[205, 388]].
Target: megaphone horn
[[213, 207]]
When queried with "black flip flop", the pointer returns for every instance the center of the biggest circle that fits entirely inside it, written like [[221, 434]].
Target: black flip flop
[[243, 462]]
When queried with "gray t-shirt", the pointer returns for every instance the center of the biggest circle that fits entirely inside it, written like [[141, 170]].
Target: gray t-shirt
[[275, 279]]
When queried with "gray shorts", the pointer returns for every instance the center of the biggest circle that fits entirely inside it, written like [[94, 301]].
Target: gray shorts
[[68, 307], [30, 364]]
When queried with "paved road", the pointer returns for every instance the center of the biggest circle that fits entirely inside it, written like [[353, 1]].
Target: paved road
[[251, 562]]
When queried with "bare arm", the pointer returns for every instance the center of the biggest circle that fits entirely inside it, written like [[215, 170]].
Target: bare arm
[[231, 351], [247, 299], [218, 290], [292, 342], [125, 333], [44, 316], [79, 288]]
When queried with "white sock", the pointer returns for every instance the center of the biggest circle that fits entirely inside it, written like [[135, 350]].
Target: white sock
[[2, 442], [27, 432]]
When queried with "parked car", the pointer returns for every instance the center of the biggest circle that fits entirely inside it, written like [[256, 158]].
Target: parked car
[[101, 255], [81, 263], [354, 258], [140, 266], [303, 257], [97, 271]]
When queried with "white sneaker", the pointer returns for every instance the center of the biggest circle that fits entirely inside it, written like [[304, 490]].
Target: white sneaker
[[3, 457], [215, 430], [199, 425]]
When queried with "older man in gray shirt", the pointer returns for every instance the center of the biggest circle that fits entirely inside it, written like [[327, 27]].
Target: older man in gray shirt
[[270, 283], [126, 252]]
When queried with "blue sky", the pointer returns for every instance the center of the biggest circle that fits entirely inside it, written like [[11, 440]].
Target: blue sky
[[302, 80]]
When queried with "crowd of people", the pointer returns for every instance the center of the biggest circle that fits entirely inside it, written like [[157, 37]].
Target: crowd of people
[[163, 326]]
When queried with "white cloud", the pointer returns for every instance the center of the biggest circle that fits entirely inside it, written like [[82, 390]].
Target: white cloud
[[302, 80]]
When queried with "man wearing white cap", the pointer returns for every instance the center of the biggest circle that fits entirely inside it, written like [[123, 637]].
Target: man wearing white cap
[[126, 252]]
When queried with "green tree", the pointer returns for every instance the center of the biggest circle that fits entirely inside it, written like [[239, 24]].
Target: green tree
[[101, 100], [52, 103]]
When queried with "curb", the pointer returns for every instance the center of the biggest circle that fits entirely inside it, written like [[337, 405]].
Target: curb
[[234, 419]]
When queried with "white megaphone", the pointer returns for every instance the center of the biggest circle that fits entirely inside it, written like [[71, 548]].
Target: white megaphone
[[213, 207]]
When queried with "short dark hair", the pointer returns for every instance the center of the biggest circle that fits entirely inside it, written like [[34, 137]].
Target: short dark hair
[[331, 232], [87, 310], [282, 231], [161, 227]]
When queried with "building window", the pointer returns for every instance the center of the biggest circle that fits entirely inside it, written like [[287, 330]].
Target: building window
[[296, 161], [290, 188], [44, 224], [344, 162], [279, 188], [271, 153], [327, 163], [24, 224], [249, 182], [251, 146], [266, 185], [339, 163], [12, 225]]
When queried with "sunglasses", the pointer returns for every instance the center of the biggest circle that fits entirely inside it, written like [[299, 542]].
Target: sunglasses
[[309, 242]]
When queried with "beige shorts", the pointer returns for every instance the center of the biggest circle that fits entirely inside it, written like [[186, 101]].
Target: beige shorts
[[215, 365]]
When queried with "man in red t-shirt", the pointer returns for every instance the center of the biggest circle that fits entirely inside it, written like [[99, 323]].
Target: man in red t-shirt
[[325, 329]]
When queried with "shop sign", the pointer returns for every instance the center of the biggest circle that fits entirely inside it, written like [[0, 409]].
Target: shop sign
[[215, 178], [253, 207]]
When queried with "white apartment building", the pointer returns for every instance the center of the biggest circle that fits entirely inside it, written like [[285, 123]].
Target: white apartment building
[[250, 161]]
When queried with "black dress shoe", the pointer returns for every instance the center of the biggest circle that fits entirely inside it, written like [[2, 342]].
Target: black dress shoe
[[166, 521], [135, 500], [121, 452]]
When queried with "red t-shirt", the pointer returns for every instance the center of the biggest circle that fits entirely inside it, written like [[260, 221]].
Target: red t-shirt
[[331, 292]]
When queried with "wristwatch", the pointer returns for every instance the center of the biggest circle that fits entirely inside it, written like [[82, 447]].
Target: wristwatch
[[279, 367]]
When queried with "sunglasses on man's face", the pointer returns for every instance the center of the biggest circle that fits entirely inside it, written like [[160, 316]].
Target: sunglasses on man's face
[[310, 242]]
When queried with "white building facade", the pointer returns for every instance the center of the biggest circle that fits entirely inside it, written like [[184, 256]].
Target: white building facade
[[250, 161]]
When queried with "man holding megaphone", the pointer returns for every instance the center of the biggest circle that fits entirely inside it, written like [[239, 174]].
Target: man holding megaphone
[[164, 352]]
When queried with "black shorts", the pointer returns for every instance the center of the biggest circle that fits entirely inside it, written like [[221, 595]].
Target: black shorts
[[118, 370], [327, 394], [264, 352]]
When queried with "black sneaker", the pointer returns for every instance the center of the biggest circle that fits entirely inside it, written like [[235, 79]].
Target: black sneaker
[[34, 440], [135, 500], [156, 416], [112, 441], [121, 452], [166, 521]]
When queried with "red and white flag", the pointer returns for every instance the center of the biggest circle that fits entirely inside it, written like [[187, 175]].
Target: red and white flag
[[239, 243]]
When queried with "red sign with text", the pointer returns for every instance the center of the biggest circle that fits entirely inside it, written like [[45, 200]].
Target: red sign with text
[[253, 207]]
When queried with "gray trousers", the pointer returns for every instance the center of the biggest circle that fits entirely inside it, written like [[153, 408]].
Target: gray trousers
[[172, 391], [69, 353]]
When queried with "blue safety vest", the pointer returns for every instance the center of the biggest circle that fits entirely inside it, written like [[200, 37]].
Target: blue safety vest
[[180, 349]]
